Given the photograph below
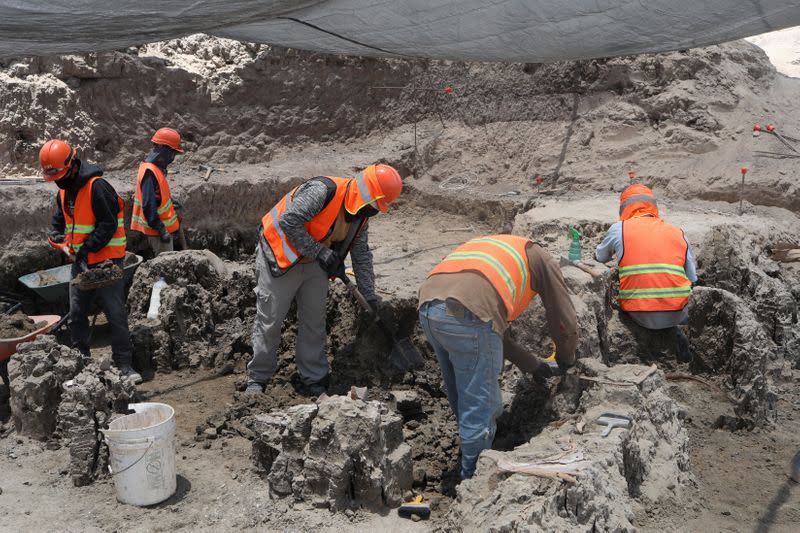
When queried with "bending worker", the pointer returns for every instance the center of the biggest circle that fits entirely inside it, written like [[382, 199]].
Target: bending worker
[[153, 208], [88, 223], [304, 240], [465, 307], [656, 266]]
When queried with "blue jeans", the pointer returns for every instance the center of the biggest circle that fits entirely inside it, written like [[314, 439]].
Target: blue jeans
[[471, 357]]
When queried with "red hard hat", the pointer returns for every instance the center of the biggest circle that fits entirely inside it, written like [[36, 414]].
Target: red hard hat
[[390, 184], [56, 157], [168, 137]]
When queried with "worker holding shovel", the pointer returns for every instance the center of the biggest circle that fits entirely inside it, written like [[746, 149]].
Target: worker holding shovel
[[88, 224], [303, 242], [465, 307], [153, 209]]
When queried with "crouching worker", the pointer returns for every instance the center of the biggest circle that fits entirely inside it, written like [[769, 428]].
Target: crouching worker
[[465, 307], [153, 209], [88, 224], [656, 266], [304, 240]]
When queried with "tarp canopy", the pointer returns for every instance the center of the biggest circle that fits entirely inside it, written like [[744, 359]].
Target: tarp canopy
[[499, 30]]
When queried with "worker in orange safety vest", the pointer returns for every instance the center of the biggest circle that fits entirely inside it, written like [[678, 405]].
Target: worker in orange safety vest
[[303, 242], [89, 226], [465, 308], [656, 265], [153, 206]]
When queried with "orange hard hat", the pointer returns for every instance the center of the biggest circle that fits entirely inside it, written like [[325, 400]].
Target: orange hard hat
[[168, 137], [378, 185], [637, 200], [56, 157], [390, 183]]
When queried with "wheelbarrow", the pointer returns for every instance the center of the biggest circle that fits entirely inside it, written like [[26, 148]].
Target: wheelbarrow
[[9, 346], [52, 285]]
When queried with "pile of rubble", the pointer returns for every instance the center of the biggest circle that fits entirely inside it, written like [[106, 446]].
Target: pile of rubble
[[56, 392], [585, 481], [340, 453], [206, 312]]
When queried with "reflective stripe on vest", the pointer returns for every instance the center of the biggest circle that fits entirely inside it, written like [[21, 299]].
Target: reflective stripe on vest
[[503, 261], [643, 198], [319, 227], [166, 211], [651, 270], [81, 223]]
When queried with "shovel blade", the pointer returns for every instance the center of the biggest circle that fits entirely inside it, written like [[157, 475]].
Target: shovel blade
[[405, 355]]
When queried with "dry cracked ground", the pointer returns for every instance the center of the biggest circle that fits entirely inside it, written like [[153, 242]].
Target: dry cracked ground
[[711, 442]]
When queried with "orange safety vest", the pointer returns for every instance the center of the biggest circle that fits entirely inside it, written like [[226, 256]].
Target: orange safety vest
[[503, 261], [166, 211], [651, 273], [349, 192], [81, 224]]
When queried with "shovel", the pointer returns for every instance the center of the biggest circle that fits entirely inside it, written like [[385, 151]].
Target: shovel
[[404, 355]]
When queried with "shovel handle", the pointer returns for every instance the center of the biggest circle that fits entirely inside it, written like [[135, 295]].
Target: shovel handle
[[352, 289]]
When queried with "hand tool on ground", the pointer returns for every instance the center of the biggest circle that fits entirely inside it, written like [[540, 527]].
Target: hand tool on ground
[[415, 507], [209, 169], [454, 230], [613, 420], [404, 355], [563, 261]]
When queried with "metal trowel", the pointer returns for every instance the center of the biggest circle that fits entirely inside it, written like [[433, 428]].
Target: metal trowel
[[613, 420]]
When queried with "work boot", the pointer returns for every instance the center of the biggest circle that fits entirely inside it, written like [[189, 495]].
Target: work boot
[[254, 388], [127, 371], [317, 388]]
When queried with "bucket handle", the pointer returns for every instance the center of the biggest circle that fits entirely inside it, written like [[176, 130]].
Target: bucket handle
[[151, 440]]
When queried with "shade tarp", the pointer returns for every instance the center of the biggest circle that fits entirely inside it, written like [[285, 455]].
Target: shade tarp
[[500, 30]]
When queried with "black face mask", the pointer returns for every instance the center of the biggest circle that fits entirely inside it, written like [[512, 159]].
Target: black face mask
[[161, 156], [365, 212], [68, 182]]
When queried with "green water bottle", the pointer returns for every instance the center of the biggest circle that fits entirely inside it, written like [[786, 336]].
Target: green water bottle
[[575, 245]]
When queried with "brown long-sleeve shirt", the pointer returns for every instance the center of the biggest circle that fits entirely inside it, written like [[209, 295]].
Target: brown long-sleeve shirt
[[476, 293]]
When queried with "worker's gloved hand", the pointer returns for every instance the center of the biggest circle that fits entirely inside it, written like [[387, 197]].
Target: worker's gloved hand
[[542, 373], [329, 261], [81, 259], [164, 235], [56, 236]]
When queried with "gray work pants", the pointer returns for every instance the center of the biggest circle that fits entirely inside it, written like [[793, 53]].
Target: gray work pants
[[157, 246], [306, 283]]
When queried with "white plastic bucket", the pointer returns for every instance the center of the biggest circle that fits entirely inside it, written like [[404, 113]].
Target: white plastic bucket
[[142, 454]]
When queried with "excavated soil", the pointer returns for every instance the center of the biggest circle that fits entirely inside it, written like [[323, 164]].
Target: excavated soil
[[710, 441], [17, 325]]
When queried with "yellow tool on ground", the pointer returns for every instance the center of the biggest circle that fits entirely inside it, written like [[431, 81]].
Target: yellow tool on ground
[[415, 507]]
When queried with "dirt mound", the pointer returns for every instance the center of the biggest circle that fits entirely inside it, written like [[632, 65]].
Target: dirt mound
[[337, 454], [24, 254], [37, 372], [727, 339], [86, 406], [739, 261], [17, 325], [618, 476], [206, 312]]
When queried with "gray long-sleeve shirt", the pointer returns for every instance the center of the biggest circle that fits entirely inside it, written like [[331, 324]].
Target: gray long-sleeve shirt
[[308, 202]]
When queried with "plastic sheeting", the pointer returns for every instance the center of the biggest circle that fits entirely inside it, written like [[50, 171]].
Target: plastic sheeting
[[503, 30]]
